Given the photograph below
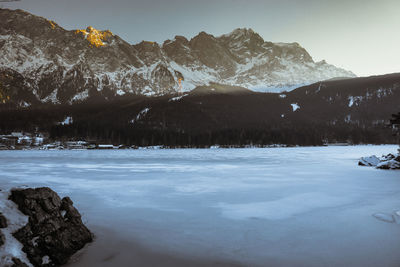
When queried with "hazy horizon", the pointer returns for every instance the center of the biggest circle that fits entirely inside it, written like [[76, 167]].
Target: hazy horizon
[[355, 35]]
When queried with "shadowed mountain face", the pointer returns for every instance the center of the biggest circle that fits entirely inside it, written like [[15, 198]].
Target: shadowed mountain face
[[351, 110], [54, 65]]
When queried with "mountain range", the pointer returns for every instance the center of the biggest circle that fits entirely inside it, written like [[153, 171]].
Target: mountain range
[[41, 62]]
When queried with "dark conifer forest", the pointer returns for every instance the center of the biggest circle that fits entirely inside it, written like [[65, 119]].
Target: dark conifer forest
[[355, 111]]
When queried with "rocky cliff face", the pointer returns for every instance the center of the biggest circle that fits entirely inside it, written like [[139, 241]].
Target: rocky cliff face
[[60, 66]]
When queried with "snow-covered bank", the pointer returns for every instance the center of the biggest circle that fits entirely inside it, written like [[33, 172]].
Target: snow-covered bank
[[305, 206], [12, 248]]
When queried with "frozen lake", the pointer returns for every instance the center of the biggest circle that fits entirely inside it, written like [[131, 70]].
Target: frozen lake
[[309, 206]]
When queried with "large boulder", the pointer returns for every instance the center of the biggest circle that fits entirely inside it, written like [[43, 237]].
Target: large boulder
[[369, 161], [54, 231]]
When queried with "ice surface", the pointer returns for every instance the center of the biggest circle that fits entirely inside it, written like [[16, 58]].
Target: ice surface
[[385, 217], [309, 206], [283, 208]]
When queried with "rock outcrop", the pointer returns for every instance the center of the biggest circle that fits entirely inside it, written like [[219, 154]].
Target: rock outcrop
[[389, 162], [386, 162], [54, 231]]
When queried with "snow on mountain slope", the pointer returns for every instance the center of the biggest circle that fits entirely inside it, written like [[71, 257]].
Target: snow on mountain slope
[[61, 66]]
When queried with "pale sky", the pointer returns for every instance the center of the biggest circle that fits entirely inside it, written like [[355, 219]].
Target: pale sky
[[359, 35]]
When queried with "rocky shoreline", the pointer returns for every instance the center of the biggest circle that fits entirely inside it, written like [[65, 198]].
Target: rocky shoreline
[[386, 162], [38, 228]]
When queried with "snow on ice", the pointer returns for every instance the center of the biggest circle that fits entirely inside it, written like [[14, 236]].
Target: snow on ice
[[278, 205]]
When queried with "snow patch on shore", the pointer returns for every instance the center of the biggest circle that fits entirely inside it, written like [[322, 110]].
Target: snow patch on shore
[[140, 115], [12, 248], [177, 98], [295, 106], [67, 121]]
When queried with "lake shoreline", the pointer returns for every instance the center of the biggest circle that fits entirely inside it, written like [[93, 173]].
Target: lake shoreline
[[161, 147], [108, 246]]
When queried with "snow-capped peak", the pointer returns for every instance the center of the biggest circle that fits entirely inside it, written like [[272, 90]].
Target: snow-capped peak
[[95, 37], [239, 32]]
